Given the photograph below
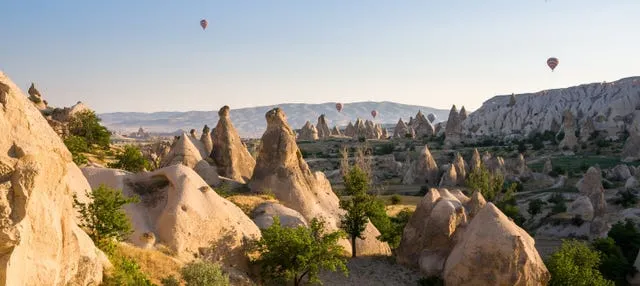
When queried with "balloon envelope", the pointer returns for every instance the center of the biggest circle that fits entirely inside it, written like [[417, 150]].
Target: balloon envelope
[[552, 63], [339, 106], [374, 113], [203, 23]]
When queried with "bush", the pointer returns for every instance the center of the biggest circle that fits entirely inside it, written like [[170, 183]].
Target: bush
[[384, 149], [489, 185], [535, 207], [395, 200], [522, 147], [538, 144], [126, 273], [627, 237], [77, 145], [291, 254], [203, 273], [358, 207], [103, 217], [575, 264], [627, 199], [431, 281], [87, 125], [131, 159], [607, 184], [614, 265], [170, 281]]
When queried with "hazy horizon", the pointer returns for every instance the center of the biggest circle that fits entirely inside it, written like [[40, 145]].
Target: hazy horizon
[[152, 56]]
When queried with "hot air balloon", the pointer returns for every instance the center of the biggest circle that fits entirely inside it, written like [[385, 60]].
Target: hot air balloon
[[339, 107], [374, 113], [203, 24], [552, 63]]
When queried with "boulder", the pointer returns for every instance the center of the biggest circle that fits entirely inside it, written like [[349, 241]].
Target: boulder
[[569, 128], [264, 213], [281, 169], [632, 182], [449, 178], [308, 132], [453, 129], [230, 155], [581, 207], [494, 251], [620, 173], [41, 242], [323, 128], [182, 212], [591, 186], [423, 171]]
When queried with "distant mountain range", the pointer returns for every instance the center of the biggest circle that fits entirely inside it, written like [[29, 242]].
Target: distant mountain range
[[250, 122]]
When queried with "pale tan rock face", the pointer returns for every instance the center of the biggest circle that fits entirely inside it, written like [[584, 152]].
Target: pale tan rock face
[[181, 211], [281, 169], [631, 149], [231, 157], [475, 162], [350, 130], [335, 131], [581, 206], [591, 186], [206, 140], [461, 169], [422, 126], [449, 178], [453, 129], [264, 214], [495, 251], [308, 132], [41, 243], [189, 151], [424, 170], [323, 128], [587, 129], [569, 127]]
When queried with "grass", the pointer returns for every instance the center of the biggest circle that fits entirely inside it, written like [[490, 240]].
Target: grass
[[247, 203], [155, 264]]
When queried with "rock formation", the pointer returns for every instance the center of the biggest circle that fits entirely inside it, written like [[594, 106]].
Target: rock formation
[[547, 166], [449, 178], [631, 149], [193, 134], [587, 130], [231, 157], [422, 126], [190, 152], [519, 167], [581, 207], [475, 162], [494, 251], [591, 186], [41, 242], [453, 130], [461, 169], [335, 131], [512, 100], [350, 130], [402, 130], [323, 128], [422, 171], [264, 213], [182, 212], [206, 140], [308, 132], [36, 98], [569, 129], [463, 114], [281, 169]]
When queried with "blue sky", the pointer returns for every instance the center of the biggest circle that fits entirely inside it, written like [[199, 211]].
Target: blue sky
[[151, 55]]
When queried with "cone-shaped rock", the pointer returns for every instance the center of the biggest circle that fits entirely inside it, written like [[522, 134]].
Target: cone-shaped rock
[[463, 114], [631, 149], [323, 128], [461, 169], [335, 131], [205, 138], [475, 162], [453, 130], [422, 171], [308, 132], [569, 128], [587, 130], [231, 157]]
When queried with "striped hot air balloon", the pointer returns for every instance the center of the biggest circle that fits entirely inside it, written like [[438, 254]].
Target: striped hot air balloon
[[374, 113], [552, 63], [339, 106], [203, 24]]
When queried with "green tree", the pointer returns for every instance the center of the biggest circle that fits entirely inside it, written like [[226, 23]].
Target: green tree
[[203, 273], [488, 184], [627, 237], [358, 207], [87, 125], [77, 145], [131, 159], [103, 216], [575, 264], [614, 265], [293, 254], [126, 273], [535, 207]]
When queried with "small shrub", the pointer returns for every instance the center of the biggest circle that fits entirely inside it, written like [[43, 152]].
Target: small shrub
[[395, 200], [77, 145], [559, 208], [538, 144], [170, 281], [431, 281], [384, 149], [627, 198], [607, 184], [535, 207], [87, 125], [131, 159], [577, 220], [423, 191], [203, 273], [126, 273]]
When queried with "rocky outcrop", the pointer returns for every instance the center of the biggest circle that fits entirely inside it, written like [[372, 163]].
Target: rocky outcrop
[[402, 130], [308, 132], [41, 244], [620, 172], [581, 207], [264, 214], [475, 162], [591, 186], [36, 98], [449, 178], [609, 106], [422, 171], [631, 149], [335, 131], [422, 126], [350, 130], [476, 203], [190, 152], [453, 129], [182, 212], [461, 169], [587, 130], [569, 128], [230, 155], [495, 251], [281, 169], [519, 167], [206, 140], [463, 114], [323, 128]]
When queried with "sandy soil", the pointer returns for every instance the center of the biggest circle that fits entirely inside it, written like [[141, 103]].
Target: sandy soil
[[373, 271]]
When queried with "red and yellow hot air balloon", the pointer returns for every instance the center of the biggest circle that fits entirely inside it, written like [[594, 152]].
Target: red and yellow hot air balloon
[[339, 106], [552, 63], [374, 113], [203, 24]]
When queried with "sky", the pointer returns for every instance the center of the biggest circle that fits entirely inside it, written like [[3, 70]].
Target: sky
[[152, 55]]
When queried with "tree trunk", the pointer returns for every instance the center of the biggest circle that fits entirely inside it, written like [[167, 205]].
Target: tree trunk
[[353, 246]]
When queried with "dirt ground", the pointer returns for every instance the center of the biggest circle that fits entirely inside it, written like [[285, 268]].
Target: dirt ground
[[373, 271]]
